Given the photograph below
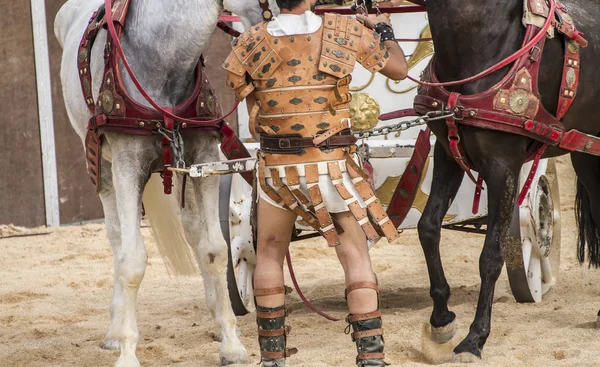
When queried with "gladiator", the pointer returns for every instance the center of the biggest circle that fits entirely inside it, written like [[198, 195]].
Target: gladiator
[[294, 72]]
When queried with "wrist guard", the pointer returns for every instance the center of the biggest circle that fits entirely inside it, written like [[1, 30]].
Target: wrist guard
[[385, 31]]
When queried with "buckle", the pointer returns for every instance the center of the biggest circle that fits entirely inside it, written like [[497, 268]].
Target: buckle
[[534, 54], [284, 143]]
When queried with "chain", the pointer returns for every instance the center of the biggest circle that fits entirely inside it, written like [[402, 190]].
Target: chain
[[176, 144], [405, 125]]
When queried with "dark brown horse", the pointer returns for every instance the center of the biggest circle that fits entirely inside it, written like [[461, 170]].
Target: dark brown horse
[[470, 36]]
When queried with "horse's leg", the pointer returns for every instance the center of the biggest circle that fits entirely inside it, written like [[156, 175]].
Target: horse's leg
[[203, 231], [447, 177], [129, 179], [501, 178], [113, 232]]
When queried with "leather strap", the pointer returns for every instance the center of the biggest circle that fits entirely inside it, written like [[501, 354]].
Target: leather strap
[[167, 174], [366, 333], [364, 316], [327, 228], [295, 143], [361, 285], [233, 148], [363, 356], [277, 332], [266, 12], [408, 186], [345, 124], [258, 292], [272, 314], [278, 355], [454, 139]]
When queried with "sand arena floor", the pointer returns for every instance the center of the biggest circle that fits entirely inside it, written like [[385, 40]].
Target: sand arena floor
[[55, 289]]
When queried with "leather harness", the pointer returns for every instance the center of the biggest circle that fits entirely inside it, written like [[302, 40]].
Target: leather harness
[[513, 105], [116, 112]]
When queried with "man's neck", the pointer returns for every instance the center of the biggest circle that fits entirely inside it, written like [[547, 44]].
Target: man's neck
[[299, 10]]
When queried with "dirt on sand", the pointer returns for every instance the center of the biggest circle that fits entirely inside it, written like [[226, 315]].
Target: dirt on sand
[[55, 291]]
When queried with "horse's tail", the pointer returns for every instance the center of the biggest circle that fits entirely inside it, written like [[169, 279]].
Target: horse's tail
[[164, 216], [589, 233]]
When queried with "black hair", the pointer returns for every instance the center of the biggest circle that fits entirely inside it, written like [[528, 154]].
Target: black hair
[[288, 4]]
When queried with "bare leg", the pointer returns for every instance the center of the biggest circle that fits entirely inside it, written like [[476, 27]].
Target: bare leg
[[353, 254], [275, 227], [447, 177]]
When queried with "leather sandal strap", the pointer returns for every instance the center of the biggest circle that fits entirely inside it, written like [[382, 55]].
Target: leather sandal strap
[[258, 292], [364, 316], [272, 314], [278, 355], [366, 333], [277, 332], [361, 285], [363, 356]]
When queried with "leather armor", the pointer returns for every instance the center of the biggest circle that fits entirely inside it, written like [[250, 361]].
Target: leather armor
[[301, 84]]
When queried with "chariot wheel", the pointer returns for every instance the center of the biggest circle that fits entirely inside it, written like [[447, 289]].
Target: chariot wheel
[[533, 246], [235, 206]]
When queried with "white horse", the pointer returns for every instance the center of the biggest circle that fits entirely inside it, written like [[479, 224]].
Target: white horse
[[163, 41]]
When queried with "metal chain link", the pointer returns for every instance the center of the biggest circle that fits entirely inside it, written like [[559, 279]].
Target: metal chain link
[[405, 125]]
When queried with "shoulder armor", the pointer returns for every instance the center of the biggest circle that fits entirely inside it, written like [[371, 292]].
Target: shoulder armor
[[373, 54], [341, 42], [255, 53]]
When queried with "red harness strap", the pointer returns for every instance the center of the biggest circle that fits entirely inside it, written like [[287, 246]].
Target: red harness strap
[[513, 104], [116, 112], [408, 186]]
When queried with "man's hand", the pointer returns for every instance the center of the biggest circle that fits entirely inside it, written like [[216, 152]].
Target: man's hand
[[372, 20]]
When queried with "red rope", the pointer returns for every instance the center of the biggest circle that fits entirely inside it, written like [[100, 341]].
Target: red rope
[[119, 48], [288, 258]]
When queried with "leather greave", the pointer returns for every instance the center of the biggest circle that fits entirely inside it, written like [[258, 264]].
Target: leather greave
[[368, 335], [272, 336], [368, 331]]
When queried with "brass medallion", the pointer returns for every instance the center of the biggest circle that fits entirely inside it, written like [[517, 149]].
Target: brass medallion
[[210, 102], [364, 111], [519, 101], [570, 77], [107, 101], [82, 55]]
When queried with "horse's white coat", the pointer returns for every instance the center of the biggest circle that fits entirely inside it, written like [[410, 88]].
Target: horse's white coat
[[163, 41]]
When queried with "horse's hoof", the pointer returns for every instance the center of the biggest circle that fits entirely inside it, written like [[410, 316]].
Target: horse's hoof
[[465, 357], [127, 362], [598, 321], [234, 357], [110, 344], [444, 334]]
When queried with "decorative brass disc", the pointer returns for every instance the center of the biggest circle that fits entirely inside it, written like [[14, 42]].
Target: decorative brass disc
[[210, 102], [519, 100], [570, 77], [82, 55], [107, 101], [364, 111]]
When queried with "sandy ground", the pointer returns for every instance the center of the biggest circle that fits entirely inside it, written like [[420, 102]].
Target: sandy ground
[[55, 290]]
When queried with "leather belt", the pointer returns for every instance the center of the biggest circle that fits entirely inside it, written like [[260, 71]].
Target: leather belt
[[295, 143]]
